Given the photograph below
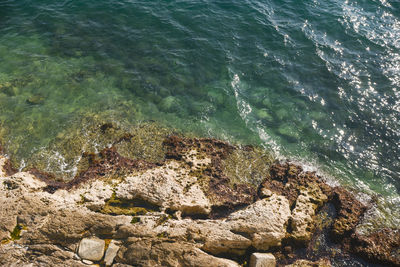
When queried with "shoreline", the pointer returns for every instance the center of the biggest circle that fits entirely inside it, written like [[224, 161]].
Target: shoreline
[[194, 200]]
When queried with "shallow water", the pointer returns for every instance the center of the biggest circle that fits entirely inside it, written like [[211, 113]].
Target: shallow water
[[316, 81]]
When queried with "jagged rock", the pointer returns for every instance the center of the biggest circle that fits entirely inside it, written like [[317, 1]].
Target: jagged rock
[[302, 217], [261, 225], [91, 249], [262, 260], [111, 252], [306, 193], [289, 180], [349, 212]]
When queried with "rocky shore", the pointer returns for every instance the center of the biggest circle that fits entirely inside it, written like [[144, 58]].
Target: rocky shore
[[203, 202]]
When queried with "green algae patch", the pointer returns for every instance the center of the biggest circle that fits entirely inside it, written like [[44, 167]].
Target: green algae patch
[[16, 233], [163, 218], [248, 165], [135, 219], [119, 206], [162, 235]]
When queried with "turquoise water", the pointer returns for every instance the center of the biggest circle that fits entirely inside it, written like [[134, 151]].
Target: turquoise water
[[316, 81]]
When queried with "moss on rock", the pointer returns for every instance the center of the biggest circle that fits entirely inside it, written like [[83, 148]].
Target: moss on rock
[[118, 206]]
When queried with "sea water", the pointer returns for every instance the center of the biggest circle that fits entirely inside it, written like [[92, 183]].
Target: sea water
[[317, 82]]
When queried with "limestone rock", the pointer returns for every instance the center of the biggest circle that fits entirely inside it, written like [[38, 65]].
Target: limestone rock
[[219, 239], [264, 221], [170, 187], [145, 252], [262, 260], [289, 180], [91, 249], [302, 217], [111, 252]]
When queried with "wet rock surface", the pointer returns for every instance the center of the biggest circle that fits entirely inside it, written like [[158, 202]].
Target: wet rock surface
[[185, 209]]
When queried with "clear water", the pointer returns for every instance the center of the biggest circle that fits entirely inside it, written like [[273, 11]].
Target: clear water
[[316, 81]]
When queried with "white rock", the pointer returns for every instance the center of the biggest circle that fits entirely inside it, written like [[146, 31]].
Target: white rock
[[262, 260], [91, 249], [111, 252]]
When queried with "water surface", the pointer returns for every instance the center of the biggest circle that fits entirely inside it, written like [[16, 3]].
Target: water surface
[[315, 81]]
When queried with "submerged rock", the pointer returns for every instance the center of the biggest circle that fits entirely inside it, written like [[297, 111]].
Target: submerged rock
[[169, 104], [263, 114], [35, 100]]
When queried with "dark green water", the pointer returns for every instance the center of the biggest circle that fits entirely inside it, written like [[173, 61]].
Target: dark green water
[[316, 81]]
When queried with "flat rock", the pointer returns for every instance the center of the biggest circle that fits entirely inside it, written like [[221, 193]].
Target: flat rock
[[170, 187], [91, 249], [263, 221]]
